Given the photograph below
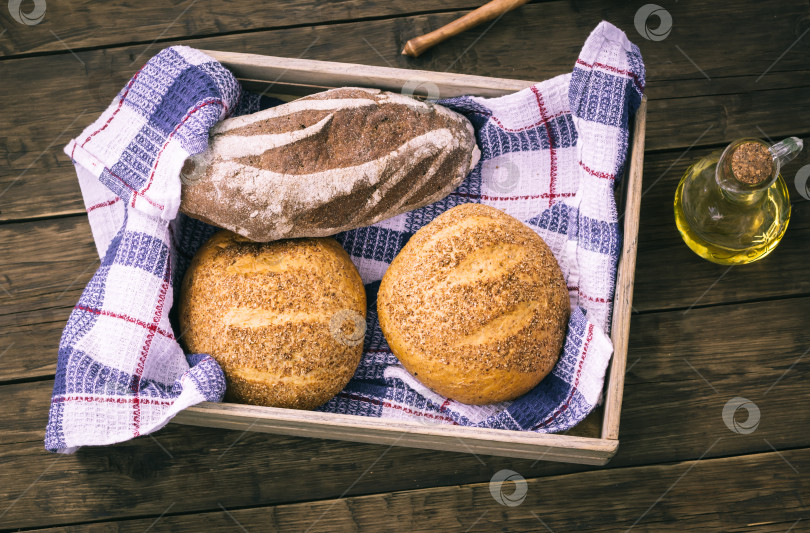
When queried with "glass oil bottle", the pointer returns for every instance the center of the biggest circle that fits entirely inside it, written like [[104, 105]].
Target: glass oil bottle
[[733, 207]]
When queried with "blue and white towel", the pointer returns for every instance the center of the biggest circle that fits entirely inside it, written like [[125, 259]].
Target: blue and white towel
[[551, 155]]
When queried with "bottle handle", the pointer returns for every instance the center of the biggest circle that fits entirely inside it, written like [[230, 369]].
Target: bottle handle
[[784, 151]]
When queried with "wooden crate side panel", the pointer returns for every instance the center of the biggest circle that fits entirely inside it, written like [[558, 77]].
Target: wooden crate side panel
[[547, 447], [309, 72], [298, 77], [623, 300]]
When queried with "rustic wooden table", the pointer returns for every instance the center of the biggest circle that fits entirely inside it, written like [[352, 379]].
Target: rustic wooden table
[[701, 335]]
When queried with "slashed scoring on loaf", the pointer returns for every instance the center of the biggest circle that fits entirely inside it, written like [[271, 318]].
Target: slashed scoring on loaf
[[328, 162]]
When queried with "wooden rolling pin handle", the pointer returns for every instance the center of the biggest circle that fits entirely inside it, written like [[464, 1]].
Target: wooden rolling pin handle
[[485, 13]]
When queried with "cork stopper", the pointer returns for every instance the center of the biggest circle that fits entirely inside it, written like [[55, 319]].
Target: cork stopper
[[751, 163]]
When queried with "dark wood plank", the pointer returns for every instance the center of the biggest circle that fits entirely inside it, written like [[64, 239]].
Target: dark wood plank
[[669, 275], [699, 495], [44, 266], [686, 361], [83, 23], [710, 120], [81, 86], [137, 477], [743, 85], [683, 368], [707, 495], [766, 368]]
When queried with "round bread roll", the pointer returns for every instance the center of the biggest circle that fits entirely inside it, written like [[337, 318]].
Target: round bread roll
[[475, 306], [285, 320]]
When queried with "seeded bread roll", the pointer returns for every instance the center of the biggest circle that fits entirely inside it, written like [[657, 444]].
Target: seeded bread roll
[[475, 306], [285, 320], [329, 162]]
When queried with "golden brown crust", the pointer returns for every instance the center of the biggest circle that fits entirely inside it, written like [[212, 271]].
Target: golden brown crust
[[285, 320], [475, 306]]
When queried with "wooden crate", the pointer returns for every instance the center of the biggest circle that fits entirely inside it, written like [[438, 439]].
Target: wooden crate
[[593, 441]]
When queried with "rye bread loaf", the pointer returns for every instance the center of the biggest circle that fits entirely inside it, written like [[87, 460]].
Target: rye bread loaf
[[329, 162], [285, 320], [475, 306]]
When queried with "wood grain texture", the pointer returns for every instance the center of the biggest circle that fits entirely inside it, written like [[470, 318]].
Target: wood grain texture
[[82, 24], [36, 294], [565, 448], [682, 370], [554, 447], [666, 399], [272, 70], [139, 478], [630, 201], [685, 363], [569, 448], [707, 495], [45, 267], [489, 11], [702, 494], [31, 152], [670, 275]]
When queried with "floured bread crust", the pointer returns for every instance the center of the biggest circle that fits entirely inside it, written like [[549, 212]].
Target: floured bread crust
[[326, 163]]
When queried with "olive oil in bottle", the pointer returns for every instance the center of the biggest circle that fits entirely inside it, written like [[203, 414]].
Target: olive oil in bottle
[[733, 207]]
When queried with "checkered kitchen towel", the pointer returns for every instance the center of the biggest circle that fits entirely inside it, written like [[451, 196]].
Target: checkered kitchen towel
[[550, 157]]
